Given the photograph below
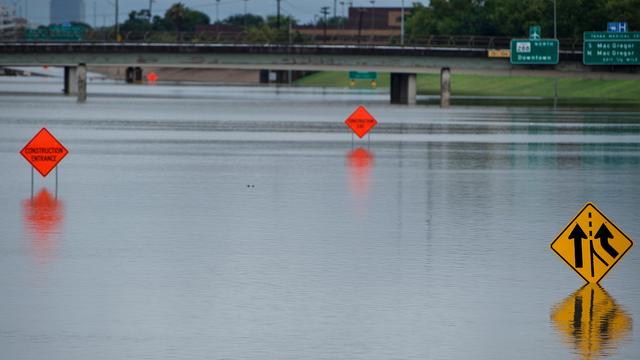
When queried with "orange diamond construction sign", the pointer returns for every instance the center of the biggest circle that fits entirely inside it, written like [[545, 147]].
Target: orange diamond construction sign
[[361, 122], [591, 244], [44, 152]]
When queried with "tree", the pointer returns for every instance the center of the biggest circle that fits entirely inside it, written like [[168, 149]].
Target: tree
[[249, 20], [138, 21], [272, 21], [181, 18]]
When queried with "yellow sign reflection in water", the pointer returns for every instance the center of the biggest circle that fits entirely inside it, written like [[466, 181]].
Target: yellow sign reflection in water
[[591, 321], [591, 244]]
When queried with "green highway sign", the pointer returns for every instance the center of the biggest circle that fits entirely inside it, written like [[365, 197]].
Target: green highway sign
[[611, 48], [534, 52], [359, 75]]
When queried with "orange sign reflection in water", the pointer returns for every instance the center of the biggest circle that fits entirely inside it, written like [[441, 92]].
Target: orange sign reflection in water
[[591, 322], [360, 162], [43, 216]]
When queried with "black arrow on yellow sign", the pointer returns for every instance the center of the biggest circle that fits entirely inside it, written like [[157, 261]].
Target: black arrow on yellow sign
[[604, 235], [577, 235]]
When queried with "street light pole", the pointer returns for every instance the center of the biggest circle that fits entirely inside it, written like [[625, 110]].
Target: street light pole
[[150, 9], [555, 26], [117, 22], [402, 24], [217, 11]]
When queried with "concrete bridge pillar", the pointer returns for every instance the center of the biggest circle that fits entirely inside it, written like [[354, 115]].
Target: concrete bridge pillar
[[133, 75], [276, 76], [264, 76], [82, 83], [282, 77], [70, 80], [403, 89], [445, 87]]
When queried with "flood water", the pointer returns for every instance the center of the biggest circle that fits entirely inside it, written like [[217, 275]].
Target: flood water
[[202, 222]]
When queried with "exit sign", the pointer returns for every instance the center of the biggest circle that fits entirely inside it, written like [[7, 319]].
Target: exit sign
[[611, 48]]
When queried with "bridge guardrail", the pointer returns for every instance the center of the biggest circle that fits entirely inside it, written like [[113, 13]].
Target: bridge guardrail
[[298, 38]]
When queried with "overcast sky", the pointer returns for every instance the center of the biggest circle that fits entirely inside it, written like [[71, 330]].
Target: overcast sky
[[304, 10]]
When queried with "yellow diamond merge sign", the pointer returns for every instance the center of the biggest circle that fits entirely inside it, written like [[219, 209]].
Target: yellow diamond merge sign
[[591, 244]]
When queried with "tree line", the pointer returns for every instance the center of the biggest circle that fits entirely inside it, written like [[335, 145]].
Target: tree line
[[510, 18]]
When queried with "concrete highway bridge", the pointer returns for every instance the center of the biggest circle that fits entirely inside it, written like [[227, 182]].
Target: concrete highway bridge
[[402, 62]]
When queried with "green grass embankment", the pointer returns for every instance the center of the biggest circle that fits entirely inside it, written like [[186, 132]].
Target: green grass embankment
[[580, 90]]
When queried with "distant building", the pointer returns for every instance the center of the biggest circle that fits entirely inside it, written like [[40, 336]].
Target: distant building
[[11, 26], [379, 22], [376, 17], [66, 11]]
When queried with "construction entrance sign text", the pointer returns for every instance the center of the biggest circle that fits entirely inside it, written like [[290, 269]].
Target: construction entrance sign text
[[591, 244], [44, 152]]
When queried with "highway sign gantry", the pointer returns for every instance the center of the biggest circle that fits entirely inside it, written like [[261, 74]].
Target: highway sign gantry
[[44, 152], [591, 244], [361, 122], [611, 48]]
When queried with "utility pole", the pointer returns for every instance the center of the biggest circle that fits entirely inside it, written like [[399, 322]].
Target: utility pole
[[245, 14], [402, 24], [217, 11], [335, 8], [95, 16], [278, 15], [325, 12], [117, 22], [360, 14], [373, 13], [150, 9]]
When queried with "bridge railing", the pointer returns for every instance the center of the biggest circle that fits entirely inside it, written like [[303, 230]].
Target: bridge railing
[[298, 38]]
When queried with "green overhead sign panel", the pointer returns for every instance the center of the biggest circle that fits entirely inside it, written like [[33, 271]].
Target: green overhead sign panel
[[363, 75], [611, 48], [534, 52]]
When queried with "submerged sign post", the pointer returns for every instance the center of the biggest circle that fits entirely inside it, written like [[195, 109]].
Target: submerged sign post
[[591, 244], [535, 50]]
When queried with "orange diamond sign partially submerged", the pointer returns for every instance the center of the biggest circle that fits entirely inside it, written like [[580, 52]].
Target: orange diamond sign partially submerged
[[361, 122], [591, 244], [44, 152]]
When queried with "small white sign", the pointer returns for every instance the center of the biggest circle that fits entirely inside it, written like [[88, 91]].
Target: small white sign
[[523, 47]]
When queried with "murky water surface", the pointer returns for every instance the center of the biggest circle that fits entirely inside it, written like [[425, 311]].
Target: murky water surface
[[194, 222]]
